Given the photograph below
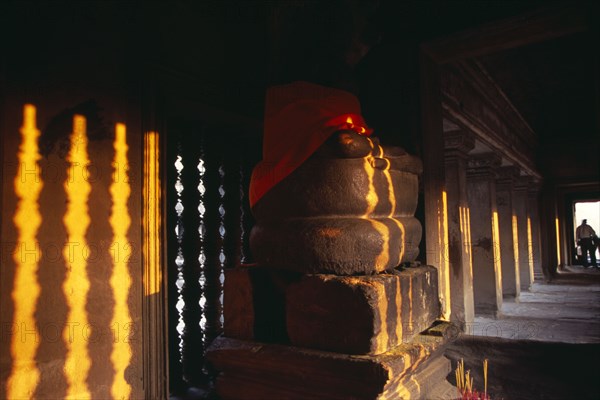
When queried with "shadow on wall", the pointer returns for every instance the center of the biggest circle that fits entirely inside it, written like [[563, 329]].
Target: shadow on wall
[[67, 328]]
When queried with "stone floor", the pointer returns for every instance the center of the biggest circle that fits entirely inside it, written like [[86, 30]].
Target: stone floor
[[566, 310], [542, 346], [546, 345]]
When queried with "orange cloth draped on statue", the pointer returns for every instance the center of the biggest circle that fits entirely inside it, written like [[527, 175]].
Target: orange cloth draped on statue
[[299, 117]]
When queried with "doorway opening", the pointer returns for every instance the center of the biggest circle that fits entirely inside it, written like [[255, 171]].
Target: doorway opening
[[589, 210]]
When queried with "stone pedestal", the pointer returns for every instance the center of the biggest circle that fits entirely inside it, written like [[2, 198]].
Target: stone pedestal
[[487, 270], [365, 337], [347, 210], [457, 145], [507, 224], [347, 314], [253, 370], [361, 315], [336, 307]]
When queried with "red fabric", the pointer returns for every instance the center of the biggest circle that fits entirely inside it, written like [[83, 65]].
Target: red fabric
[[299, 117]]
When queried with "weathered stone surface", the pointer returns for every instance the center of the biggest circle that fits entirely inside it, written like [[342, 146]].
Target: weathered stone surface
[[423, 382], [343, 186], [238, 304], [336, 245], [487, 264], [460, 272], [346, 210], [252, 370], [254, 303], [507, 226], [355, 315], [361, 315]]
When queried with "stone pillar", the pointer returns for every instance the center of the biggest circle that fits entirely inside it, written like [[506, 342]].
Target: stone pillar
[[509, 253], [533, 201], [487, 270], [433, 177], [520, 207], [457, 145]]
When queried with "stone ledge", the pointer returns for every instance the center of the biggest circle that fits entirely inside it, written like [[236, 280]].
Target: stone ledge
[[253, 370]]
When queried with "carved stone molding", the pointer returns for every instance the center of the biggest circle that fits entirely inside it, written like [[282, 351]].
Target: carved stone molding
[[522, 183], [507, 176], [458, 143], [474, 102], [483, 164], [535, 185]]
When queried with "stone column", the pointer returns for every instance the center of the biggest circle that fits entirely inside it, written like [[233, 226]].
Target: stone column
[[520, 207], [457, 145], [487, 270], [533, 201], [433, 176], [509, 253]]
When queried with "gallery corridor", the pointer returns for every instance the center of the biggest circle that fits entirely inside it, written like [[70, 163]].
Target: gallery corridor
[[537, 347]]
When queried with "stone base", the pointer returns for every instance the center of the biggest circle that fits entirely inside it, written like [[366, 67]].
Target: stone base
[[361, 315], [254, 303], [253, 370], [354, 315]]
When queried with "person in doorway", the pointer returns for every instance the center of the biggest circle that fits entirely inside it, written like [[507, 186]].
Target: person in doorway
[[587, 239]]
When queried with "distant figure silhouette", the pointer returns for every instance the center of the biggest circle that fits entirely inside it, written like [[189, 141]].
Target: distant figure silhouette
[[587, 239]]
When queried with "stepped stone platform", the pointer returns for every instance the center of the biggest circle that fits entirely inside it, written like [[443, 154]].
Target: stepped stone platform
[[254, 370], [299, 336]]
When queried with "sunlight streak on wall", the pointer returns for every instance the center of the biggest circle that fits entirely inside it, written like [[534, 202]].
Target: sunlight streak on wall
[[496, 255], [444, 257], [384, 256], [515, 236], [382, 339], [465, 230], [120, 280], [530, 249], [372, 199], [558, 261], [399, 327], [152, 215], [410, 303], [76, 285], [392, 200], [24, 375]]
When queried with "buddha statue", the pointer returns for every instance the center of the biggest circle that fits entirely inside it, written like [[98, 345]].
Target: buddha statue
[[328, 198]]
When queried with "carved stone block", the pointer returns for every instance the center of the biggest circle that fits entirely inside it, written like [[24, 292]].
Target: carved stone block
[[254, 303], [253, 370], [336, 245], [346, 210], [361, 315]]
